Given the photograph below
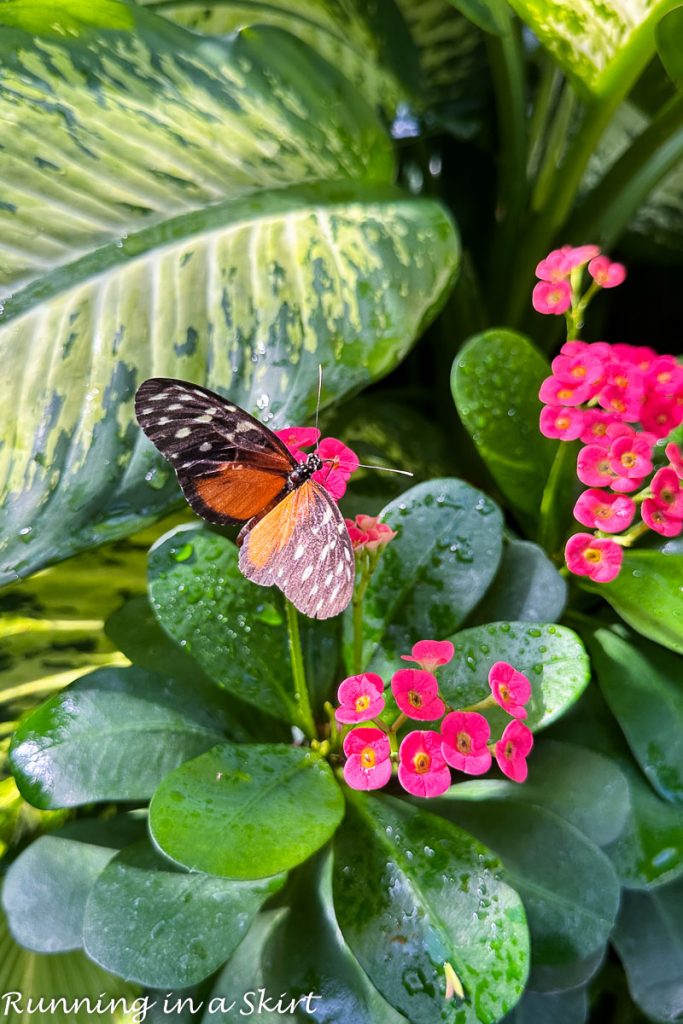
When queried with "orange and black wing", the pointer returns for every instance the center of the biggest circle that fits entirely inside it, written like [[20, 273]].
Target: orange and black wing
[[303, 547], [230, 466]]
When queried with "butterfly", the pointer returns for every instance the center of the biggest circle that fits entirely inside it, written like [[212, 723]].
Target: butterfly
[[233, 469]]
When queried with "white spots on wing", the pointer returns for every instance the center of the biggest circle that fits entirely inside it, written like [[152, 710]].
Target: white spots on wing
[[205, 447], [347, 554], [158, 398], [163, 420], [314, 590], [323, 553], [202, 419], [148, 410], [328, 515], [299, 552], [334, 592], [175, 455], [281, 572], [340, 566], [341, 527], [328, 579], [230, 408], [319, 604], [308, 571], [212, 411], [174, 407], [183, 432], [242, 426], [189, 398]]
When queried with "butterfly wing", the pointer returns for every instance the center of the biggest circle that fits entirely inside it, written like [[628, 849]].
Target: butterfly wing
[[303, 547], [230, 466]]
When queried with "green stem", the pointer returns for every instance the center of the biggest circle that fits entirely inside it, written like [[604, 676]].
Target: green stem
[[544, 104], [303, 704], [554, 150], [366, 567]]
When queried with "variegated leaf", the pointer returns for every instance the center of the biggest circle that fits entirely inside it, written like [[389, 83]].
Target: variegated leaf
[[165, 213]]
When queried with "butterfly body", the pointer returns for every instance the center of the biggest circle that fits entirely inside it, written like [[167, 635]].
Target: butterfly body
[[235, 470]]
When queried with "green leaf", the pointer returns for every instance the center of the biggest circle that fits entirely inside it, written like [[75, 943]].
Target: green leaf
[[567, 884], [649, 941], [600, 45], [586, 789], [670, 45], [412, 893], [340, 32], [436, 570], [70, 976], [641, 684], [544, 1007], [246, 811], [246, 178], [552, 657], [527, 587], [489, 15], [113, 735], [232, 628], [151, 923], [46, 887], [495, 382], [647, 595]]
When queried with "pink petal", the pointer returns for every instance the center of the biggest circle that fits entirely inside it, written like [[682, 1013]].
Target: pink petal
[[298, 437]]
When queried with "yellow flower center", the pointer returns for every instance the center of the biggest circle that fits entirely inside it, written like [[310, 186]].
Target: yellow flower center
[[593, 555], [422, 762], [509, 749], [579, 371], [504, 691], [628, 459], [617, 404], [562, 422], [362, 703], [415, 699], [463, 742], [565, 393], [368, 758]]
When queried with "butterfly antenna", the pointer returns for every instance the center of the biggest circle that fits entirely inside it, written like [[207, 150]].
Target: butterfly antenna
[[386, 469], [320, 388]]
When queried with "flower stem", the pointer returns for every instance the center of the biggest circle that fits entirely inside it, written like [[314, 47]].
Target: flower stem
[[303, 704], [365, 565]]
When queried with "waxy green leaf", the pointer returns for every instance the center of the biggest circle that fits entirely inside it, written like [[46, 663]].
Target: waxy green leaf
[[246, 811], [152, 923], [552, 657], [113, 735], [495, 382], [641, 683], [46, 888], [412, 892], [670, 44], [248, 180], [647, 594], [440, 564], [527, 588]]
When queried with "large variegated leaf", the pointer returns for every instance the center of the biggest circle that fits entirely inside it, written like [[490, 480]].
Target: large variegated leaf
[[165, 211], [375, 52], [597, 43]]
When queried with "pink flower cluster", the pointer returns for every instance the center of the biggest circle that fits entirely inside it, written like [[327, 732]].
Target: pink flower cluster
[[618, 400], [367, 533], [339, 461], [555, 293], [425, 757]]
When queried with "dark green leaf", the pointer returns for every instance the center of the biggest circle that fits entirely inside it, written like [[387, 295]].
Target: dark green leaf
[[550, 1008], [113, 735], [437, 568], [151, 923], [495, 383], [586, 789], [232, 628], [46, 887], [670, 44], [552, 657], [568, 885], [490, 15], [649, 940], [527, 588], [246, 811], [641, 684], [647, 594], [412, 893]]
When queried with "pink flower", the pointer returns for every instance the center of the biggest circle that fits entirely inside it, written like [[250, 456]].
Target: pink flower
[[422, 768], [512, 750], [593, 466], [626, 405], [562, 392], [631, 457], [297, 438], [577, 255], [465, 736], [626, 484], [599, 558], [641, 355], [601, 510], [665, 376], [360, 698], [582, 368], [511, 688], [552, 297], [658, 520], [358, 537], [554, 267], [595, 424], [667, 492], [377, 534], [340, 463], [605, 273], [660, 415], [368, 764], [673, 454], [417, 694], [564, 423], [431, 654]]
